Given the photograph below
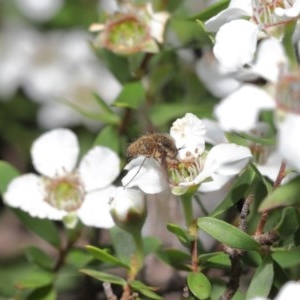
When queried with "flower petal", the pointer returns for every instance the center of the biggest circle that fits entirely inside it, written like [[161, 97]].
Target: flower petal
[[95, 210], [248, 101], [147, 174], [227, 159], [214, 134], [99, 168], [26, 192], [288, 135], [236, 43], [188, 133], [55, 152]]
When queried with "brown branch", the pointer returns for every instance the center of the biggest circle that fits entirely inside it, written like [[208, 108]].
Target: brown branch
[[265, 214]]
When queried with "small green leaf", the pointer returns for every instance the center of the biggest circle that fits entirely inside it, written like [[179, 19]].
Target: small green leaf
[[132, 95], [145, 290], [7, 173], [247, 137], [108, 137], [262, 280], [214, 260], [37, 256], [104, 277], [43, 293], [199, 285], [289, 222], [239, 189], [287, 257], [227, 234], [35, 279], [285, 195], [79, 258], [104, 256], [45, 229], [182, 235], [175, 258]]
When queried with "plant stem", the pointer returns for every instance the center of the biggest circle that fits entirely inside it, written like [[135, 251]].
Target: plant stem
[[186, 201]]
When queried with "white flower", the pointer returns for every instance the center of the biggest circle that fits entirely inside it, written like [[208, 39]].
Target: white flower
[[248, 101], [288, 135], [289, 291], [62, 191], [42, 10], [239, 27], [131, 29], [194, 165], [126, 203]]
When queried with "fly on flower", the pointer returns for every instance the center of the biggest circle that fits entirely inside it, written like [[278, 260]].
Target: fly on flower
[[159, 146]]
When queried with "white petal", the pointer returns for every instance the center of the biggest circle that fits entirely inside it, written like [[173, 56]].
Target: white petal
[[240, 110], [125, 200], [288, 137], [147, 174], [41, 10], [237, 9], [55, 152], [270, 61], [188, 133], [288, 13], [26, 192], [214, 134], [216, 78], [290, 290], [95, 210], [227, 159], [157, 25], [99, 168], [236, 43]]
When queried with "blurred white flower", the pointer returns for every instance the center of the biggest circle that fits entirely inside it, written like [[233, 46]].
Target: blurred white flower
[[131, 29], [239, 27], [289, 291], [62, 191], [41, 10]]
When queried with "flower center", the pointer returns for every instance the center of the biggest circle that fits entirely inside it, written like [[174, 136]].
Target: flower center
[[65, 193], [185, 171], [127, 34]]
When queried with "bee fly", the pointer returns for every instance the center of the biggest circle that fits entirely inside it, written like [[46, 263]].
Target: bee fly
[[153, 145]]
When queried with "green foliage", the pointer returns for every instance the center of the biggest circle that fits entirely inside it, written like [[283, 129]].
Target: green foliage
[[7, 173], [227, 234], [104, 277], [199, 285]]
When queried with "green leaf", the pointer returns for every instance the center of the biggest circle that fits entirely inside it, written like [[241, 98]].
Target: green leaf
[[104, 277], [161, 114], [7, 173], [108, 137], [247, 137], [35, 279], [287, 257], [103, 256], [199, 285], [285, 195], [288, 43], [218, 260], [131, 96], [211, 10], [145, 290], [38, 256], [79, 258], [45, 229], [227, 234], [240, 189], [183, 236], [43, 293], [289, 222], [262, 280], [177, 259]]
